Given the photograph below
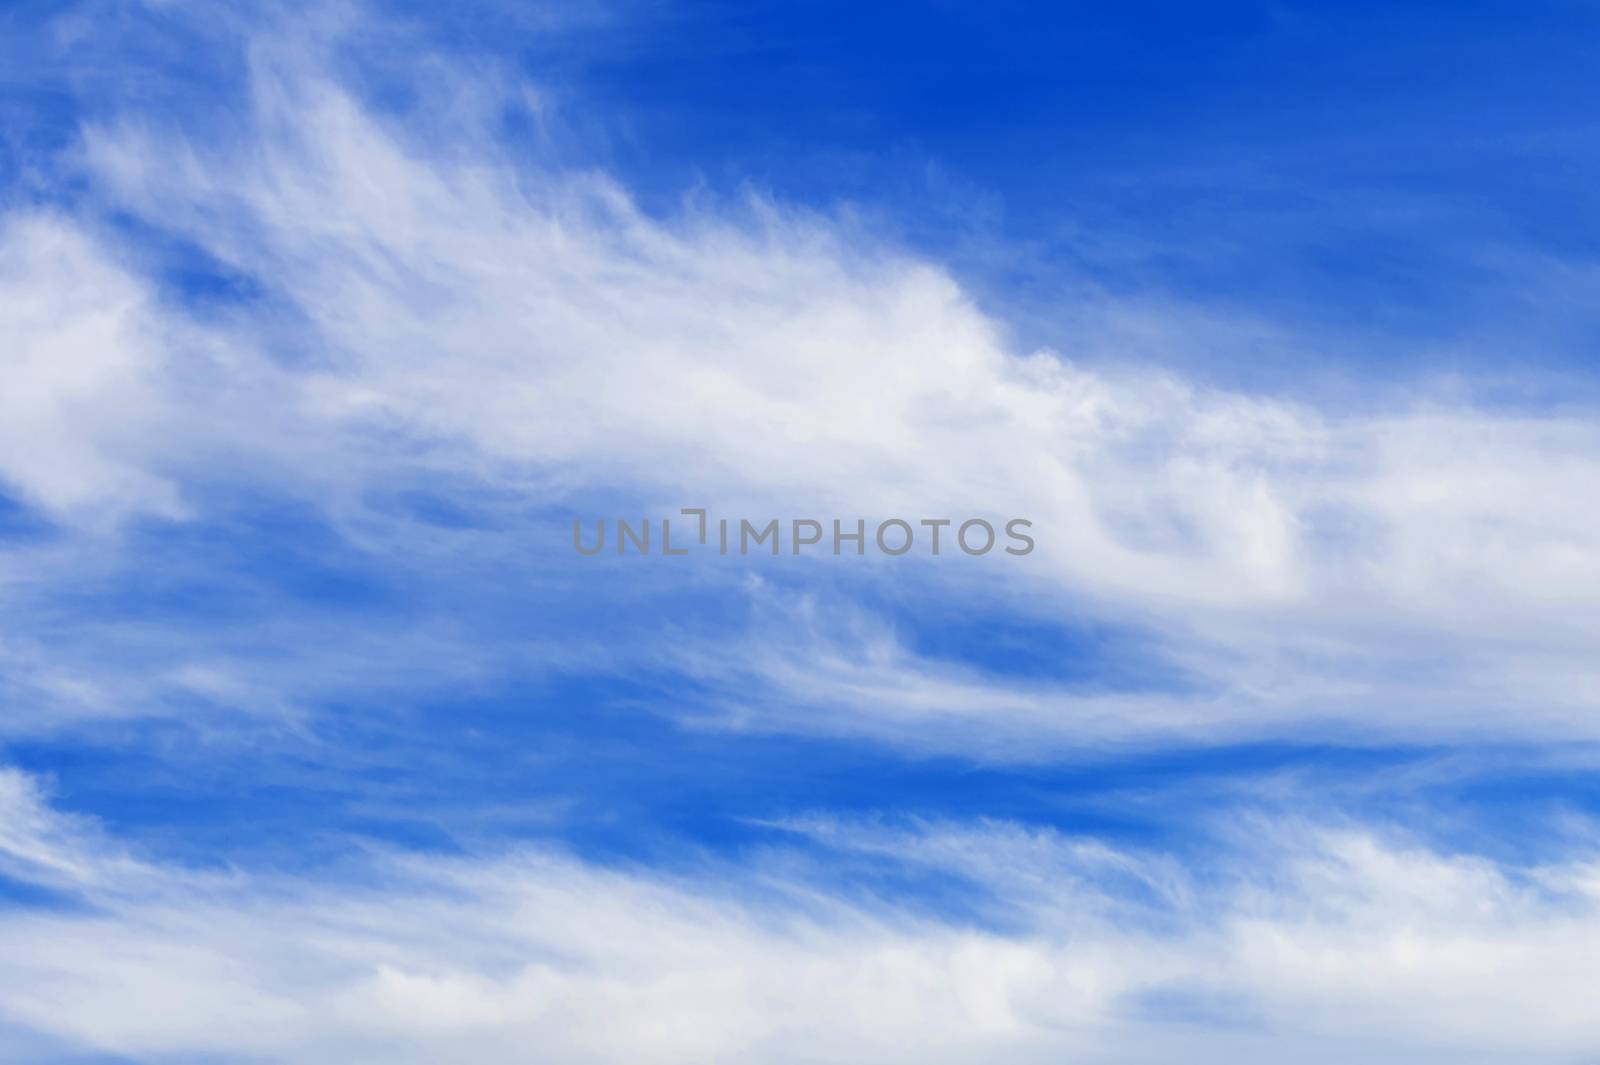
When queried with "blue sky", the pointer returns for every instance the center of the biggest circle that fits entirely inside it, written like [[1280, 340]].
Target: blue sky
[[324, 323]]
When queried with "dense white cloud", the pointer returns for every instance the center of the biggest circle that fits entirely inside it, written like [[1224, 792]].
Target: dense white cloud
[[83, 393], [1291, 941]]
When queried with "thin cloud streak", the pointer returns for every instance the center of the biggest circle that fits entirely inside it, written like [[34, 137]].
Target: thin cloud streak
[[1292, 939], [532, 331]]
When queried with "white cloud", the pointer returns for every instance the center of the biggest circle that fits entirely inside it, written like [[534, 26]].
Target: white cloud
[[82, 388], [442, 310], [466, 312], [1291, 941]]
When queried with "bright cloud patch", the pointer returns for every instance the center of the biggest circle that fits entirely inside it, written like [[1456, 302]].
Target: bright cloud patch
[[1298, 941], [458, 314], [355, 759]]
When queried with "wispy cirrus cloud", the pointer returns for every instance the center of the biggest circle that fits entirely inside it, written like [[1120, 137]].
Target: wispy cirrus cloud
[[311, 376], [508, 326], [1290, 939]]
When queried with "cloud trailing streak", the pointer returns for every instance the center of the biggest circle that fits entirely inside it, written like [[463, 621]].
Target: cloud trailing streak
[[323, 745]]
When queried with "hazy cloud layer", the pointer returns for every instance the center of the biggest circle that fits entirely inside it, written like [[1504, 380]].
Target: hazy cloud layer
[[1316, 942], [301, 388], [447, 310]]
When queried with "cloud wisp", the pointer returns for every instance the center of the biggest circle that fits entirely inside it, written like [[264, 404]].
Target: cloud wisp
[[446, 310], [1290, 939], [305, 379]]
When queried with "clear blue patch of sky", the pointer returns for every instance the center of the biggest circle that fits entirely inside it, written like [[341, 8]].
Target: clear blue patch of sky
[[1413, 175]]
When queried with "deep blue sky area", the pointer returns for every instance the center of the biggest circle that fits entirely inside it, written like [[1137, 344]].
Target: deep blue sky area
[[1413, 171]]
